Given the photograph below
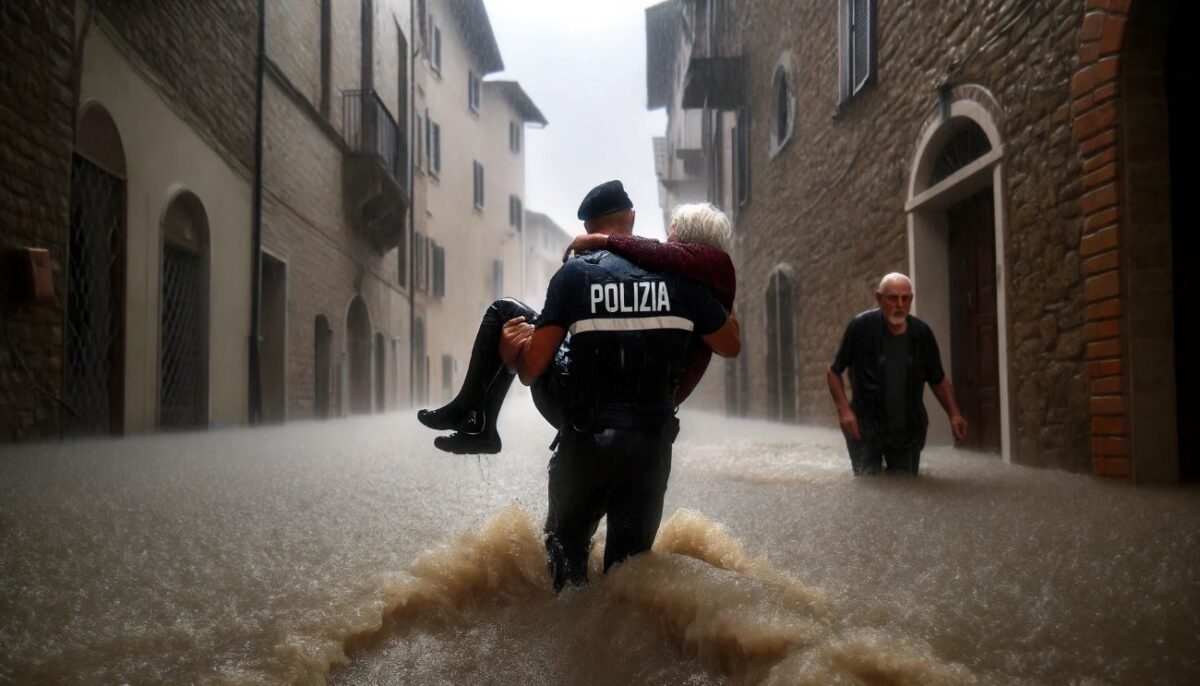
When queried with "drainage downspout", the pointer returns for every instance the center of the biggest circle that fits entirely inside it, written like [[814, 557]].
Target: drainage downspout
[[412, 216], [256, 226]]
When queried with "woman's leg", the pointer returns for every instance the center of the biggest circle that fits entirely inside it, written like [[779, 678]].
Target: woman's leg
[[478, 402]]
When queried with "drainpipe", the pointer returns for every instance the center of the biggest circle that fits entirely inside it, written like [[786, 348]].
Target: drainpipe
[[256, 226], [412, 215]]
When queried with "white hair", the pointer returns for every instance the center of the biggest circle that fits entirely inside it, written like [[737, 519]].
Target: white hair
[[701, 223], [893, 276]]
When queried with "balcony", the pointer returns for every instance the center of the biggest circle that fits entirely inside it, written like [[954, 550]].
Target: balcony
[[375, 172]]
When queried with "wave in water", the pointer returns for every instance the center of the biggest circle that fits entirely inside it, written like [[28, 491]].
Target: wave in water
[[481, 606]]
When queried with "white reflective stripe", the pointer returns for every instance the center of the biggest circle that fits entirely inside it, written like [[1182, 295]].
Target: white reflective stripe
[[631, 324]]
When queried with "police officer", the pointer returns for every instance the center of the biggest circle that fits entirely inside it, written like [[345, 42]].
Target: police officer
[[627, 332]]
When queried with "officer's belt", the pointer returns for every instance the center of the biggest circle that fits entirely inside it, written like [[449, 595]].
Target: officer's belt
[[630, 416]]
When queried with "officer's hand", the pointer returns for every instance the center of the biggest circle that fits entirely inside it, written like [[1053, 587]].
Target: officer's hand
[[959, 426], [849, 424], [586, 242], [514, 337]]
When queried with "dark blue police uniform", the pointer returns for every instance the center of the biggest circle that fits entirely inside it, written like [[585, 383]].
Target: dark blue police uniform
[[614, 380]]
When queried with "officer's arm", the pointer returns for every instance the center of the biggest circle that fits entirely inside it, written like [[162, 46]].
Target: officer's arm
[[727, 340], [536, 354]]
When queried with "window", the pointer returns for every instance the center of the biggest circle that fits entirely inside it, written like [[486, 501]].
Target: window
[[478, 186], [516, 213], [439, 271], [435, 59], [784, 105], [857, 38], [514, 136], [423, 27], [435, 149], [741, 157], [473, 91], [497, 279], [447, 373]]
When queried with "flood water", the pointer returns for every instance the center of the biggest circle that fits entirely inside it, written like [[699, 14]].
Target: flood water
[[352, 551]]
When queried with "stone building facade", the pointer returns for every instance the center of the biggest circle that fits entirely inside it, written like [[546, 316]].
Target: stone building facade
[[980, 148], [336, 208], [36, 131], [145, 206]]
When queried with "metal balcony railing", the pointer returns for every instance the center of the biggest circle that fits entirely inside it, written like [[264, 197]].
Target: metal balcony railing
[[370, 128]]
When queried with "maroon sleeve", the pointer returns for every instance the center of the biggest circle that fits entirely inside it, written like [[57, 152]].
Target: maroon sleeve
[[699, 263]]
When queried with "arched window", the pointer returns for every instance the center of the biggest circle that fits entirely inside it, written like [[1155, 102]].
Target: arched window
[[184, 315], [784, 105]]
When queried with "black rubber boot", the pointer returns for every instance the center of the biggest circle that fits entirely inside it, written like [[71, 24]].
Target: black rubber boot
[[466, 413], [487, 441]]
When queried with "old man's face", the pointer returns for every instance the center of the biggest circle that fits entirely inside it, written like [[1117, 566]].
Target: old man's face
[[895, 300]]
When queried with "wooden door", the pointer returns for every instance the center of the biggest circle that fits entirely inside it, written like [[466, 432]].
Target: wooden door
[[975, 370]]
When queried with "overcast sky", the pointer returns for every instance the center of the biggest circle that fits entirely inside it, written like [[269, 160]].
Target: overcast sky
[[584, 63]]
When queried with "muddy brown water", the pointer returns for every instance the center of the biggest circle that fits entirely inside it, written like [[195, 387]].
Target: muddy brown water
[[352, 552]]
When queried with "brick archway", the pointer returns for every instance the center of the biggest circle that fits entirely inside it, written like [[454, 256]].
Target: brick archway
[[1096, 114]]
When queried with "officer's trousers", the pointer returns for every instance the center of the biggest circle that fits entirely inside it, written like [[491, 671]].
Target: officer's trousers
[[618, 473]]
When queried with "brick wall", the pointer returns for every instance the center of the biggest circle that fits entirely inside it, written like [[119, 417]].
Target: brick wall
[[831, 203], [203, 56], [36, 130], [1095, 112], [305, 222]]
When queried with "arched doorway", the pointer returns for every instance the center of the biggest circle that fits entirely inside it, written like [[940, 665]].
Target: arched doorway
[[420, 364], [955, 232], [781, 350], [184, 315], [380, 372], [95, 322], [358, 345], [322, 367]]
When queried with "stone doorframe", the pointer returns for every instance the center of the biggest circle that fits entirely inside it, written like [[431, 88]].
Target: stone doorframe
[[928, 238], [1095, 111]]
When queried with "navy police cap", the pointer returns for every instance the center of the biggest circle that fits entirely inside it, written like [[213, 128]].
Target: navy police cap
[[606, 198]]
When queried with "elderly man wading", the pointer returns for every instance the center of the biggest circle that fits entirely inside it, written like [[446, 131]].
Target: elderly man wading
[[891, 355]]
